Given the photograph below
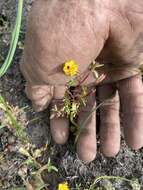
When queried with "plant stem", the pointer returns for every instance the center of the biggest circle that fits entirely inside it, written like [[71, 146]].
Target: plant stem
[[88, 117], [95, 108], [86, 76], [112, 178]]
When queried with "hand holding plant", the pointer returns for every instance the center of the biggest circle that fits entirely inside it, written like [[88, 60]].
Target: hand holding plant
[[78, 32]]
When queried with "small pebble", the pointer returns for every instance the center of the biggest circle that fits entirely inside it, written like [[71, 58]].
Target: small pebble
[[11, 148], [11, 140]]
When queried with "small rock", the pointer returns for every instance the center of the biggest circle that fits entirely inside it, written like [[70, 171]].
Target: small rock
[[11, 140], [11, 148]]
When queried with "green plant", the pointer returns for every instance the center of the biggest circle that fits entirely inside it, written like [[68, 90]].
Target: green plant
[[14, 40], [76, 94], [26, 149], [133, 183], [36, 168], [11, 120]]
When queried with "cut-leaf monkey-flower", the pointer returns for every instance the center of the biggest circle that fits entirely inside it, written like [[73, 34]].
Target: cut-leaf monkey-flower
[[63, 186], [70, 68]]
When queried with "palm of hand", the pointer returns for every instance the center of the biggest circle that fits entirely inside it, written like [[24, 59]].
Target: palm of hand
[[51, 45]]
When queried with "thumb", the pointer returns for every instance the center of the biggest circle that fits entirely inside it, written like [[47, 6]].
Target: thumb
[[40, 95]]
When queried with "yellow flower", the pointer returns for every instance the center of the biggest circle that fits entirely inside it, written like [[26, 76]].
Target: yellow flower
[[63, 186], [70, 68]]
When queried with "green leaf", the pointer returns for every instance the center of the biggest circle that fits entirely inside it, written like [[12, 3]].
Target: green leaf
[[53, 168], [135, 185], [18, 188], [14, 40], [12, 120]]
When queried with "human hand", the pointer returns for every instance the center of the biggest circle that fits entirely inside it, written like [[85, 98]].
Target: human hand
[[55, 35], [122, 98]]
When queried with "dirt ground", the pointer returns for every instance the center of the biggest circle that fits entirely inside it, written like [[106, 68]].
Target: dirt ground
[[127, 163]]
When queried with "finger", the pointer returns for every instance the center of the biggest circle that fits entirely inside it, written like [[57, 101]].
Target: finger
[[110, 123], [117, 72], [40, 95], [59, 125], [131, 95], [86, 145]]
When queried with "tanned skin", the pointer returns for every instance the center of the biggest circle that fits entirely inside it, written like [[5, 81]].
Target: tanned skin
[[108, 31]]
